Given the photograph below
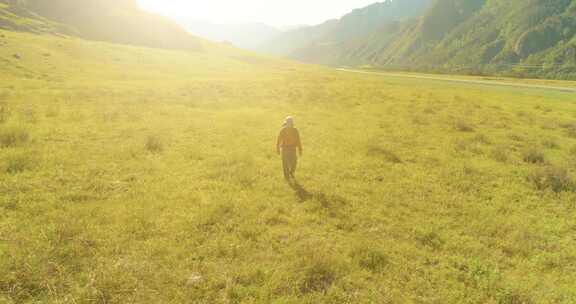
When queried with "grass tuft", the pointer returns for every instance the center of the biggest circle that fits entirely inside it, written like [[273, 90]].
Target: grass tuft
[[482, 139], [154, 144], [318, 277], [551, 143], [534, 156], [463, 126], [570, 129], [514, 297], [13, 136], [553, 178], [17, 162], [500, 154], [369, 258], [4, 113], [430, 239]]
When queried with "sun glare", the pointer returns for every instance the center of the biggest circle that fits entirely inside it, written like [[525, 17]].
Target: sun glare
[[264, 11]]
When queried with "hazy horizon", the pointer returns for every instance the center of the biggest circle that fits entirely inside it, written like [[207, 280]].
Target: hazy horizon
[[274, 13]]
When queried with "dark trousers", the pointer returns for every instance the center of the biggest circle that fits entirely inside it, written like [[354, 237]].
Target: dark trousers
[[289, 161]]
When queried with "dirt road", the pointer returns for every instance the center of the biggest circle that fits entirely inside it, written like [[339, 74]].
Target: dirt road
[[469, 81]]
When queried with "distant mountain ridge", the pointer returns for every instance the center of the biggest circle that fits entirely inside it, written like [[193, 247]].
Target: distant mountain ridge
[[517, 37], [117, 21], [328, 42]]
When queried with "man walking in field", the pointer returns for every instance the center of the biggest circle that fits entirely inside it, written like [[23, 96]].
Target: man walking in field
[[287, 144]]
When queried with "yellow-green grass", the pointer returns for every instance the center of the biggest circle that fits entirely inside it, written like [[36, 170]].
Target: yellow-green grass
[[132, 175]]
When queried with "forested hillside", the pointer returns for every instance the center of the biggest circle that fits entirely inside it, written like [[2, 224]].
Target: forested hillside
[[118, 21], [517, 37], [531, 37]]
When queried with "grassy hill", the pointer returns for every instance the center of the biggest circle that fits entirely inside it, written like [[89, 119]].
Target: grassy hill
[[18, 18], [140, 175], [103, 20]]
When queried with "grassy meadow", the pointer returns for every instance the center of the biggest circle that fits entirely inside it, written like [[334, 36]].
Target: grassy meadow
[[134, 175]]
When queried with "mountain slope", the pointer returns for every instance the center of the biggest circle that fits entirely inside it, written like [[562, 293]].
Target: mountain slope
[[19, 18], [326, 43], [109, 20], [493, 34], [515, 37]]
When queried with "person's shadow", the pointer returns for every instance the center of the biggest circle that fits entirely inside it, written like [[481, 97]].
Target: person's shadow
[[301, 193], [325, 200]]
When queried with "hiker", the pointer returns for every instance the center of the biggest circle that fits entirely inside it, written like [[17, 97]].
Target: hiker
[[288, 142]]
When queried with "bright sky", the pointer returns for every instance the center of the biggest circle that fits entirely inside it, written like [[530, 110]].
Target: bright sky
[[272, 12]]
